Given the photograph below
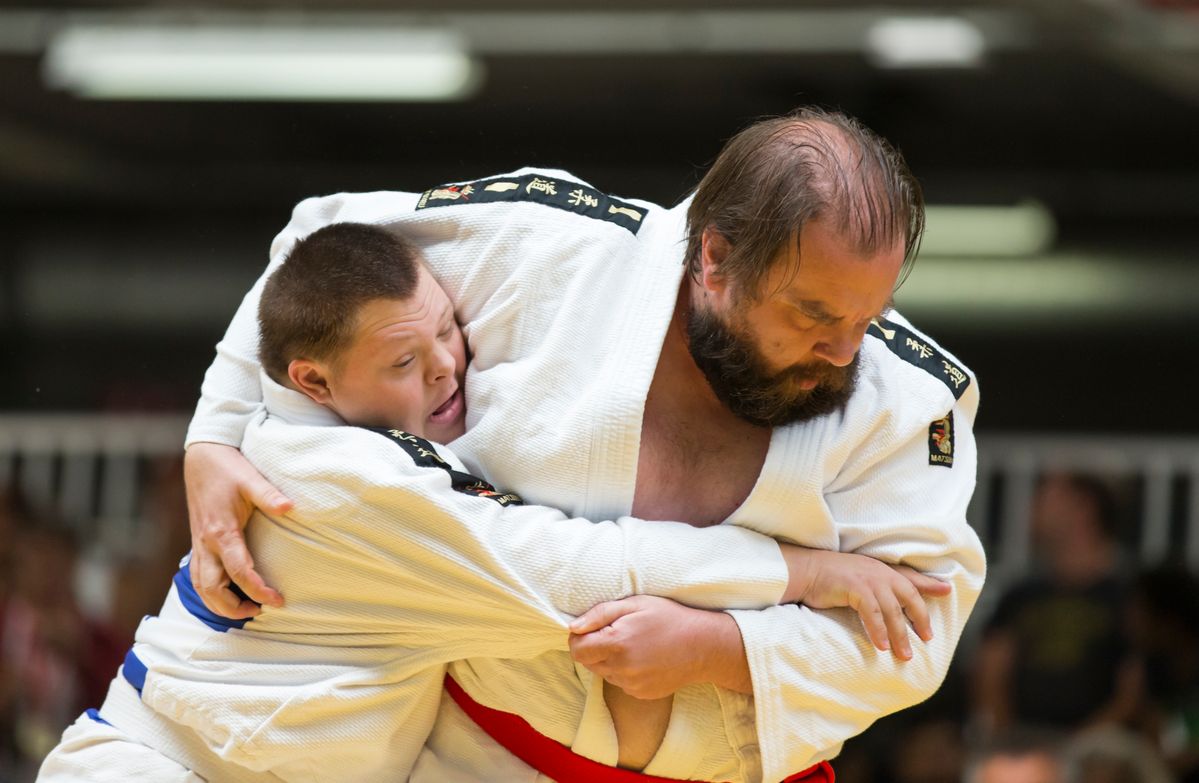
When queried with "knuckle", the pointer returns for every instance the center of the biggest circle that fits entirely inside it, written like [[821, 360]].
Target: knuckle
[[228, 536]]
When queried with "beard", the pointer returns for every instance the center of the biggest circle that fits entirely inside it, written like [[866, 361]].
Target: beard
[[741, 379]]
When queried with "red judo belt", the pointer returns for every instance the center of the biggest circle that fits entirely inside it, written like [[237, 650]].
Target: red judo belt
[[560, 763]]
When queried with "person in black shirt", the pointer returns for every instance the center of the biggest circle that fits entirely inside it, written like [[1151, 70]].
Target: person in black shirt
[[1054, 651]]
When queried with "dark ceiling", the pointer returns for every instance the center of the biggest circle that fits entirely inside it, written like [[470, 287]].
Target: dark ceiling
[[1086, 108], [1089, 107]]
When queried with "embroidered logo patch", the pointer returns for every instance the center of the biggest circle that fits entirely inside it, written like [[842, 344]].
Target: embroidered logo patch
[[424, 455], [558, 193], [915, 349], [940, 441]]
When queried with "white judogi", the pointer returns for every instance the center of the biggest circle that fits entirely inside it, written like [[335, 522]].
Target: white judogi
[[389, 574], [565, 304]]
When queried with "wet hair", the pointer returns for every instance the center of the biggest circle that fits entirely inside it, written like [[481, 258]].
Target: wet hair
[[779, 173], [309, 306]]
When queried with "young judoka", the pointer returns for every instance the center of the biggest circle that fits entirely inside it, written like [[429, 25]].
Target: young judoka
[[395, 561]]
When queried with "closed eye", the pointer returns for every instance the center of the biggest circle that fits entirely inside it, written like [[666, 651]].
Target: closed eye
[[819, 317]]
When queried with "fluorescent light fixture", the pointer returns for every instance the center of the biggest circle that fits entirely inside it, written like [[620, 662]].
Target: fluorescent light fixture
[[1056, 288], [207, 62], [1023, 229], [925, 42]]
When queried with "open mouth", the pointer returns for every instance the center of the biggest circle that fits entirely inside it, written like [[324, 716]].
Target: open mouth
[[449, 410]]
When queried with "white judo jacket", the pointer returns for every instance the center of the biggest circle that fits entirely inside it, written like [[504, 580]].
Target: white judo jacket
[[565, 294], [392, 566]]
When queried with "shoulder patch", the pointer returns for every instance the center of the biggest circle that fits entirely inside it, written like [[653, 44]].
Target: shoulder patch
[[914, 349], [940, 441], [557, 193], [425, 456]]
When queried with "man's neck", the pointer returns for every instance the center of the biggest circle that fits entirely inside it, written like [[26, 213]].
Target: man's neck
[[678, 377]]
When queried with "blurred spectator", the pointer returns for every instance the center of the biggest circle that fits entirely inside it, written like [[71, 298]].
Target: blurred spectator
[[925, 743], [1054, 653], [12, 519], [1164, 626], [56, 659], [1112, 755], [1019, 757], [929, 751], [53, 662]]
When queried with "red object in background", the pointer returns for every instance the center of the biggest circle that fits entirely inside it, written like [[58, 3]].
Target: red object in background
[[102, 652]]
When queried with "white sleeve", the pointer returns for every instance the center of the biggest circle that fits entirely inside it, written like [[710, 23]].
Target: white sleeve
[[460, 252], [483, 578], [817, 679], [230, 392]]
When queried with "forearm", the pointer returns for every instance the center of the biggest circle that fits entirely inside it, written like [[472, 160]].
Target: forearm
[[727, 666], [577, 564], [528, 559], [717, 567]]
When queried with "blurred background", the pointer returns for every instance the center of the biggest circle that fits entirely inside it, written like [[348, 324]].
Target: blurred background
[[150, 151]]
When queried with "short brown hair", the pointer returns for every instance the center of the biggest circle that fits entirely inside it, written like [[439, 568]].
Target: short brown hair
[[779, 173], [309, 306]]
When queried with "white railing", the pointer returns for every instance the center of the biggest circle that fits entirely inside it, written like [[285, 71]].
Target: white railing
[[90, 468], [1167, 469], [1164, 471]]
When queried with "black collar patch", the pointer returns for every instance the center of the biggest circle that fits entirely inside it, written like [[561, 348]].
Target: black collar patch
[[550, 191], [940, 441], [425, 456], [915, 349]]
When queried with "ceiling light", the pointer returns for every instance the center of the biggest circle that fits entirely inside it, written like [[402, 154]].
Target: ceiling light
[[925, 42], [1022, 229], [177, 62]]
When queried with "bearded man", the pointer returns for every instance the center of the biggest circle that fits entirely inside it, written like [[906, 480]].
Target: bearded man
[[733, 360]]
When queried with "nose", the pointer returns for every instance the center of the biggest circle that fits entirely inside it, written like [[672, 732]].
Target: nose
[[839, 346], [441, 363]]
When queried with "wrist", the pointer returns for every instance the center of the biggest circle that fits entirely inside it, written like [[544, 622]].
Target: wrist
[[723, 662], [801, 572]]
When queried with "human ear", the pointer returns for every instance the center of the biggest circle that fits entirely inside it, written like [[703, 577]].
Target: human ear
[[713, 251], [310, 378]]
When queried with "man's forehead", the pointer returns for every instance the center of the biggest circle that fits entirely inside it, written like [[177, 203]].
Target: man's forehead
[[827, 284], [398, 318]]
